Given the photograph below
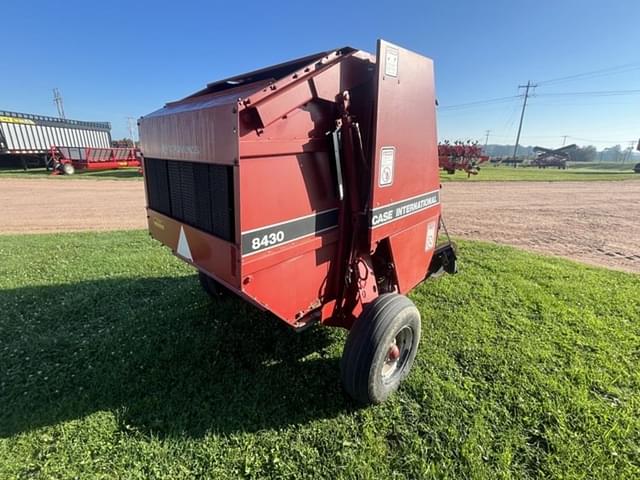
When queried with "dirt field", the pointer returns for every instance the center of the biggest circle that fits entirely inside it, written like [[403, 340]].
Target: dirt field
[[593, 222], [55, 205]]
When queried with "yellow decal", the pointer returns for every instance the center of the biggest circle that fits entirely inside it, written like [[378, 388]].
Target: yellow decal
[[23, 121], [158, 223]]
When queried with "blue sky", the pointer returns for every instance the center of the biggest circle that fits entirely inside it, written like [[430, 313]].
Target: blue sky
[[113, 59]]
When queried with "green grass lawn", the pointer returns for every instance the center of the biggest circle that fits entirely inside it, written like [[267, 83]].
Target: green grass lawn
[[130, 173], [615, 166], [116, 365], [506, 173]]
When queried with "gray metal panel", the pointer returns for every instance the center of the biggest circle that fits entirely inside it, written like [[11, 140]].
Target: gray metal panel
[[15, 142], [3, 142], [57, 139], [59, 136], [24, 138], [39, 137], [49, 134], [33, 137], [10, 136], [83, 137], [39, 133], [74, 138]]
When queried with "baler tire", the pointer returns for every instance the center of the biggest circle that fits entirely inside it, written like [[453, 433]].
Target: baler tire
[[68, 169], [367, 349], [210, 286]]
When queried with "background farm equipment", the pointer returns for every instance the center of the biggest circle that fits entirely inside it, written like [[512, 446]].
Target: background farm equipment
[[66, 160], [26, 139], [314, 227], [461, 156], [549, 157]]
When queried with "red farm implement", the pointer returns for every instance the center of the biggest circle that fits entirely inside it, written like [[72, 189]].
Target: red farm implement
[[461, 156], [311, 190], [66, 160]]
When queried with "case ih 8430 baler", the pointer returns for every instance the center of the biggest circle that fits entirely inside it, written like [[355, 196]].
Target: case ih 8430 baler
[[311, 190]]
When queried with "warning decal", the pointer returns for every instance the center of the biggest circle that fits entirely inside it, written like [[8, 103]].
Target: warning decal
[[387, 163], [391, 62], [183, 246], [431, 236]]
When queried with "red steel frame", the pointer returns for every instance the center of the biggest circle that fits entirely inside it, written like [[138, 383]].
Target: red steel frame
[[274, 135], [96, 158]]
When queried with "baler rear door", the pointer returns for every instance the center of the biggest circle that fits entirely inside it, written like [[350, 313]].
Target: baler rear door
[[405, 189]]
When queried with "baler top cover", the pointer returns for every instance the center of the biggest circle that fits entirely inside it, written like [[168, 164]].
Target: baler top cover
[[299, 183]]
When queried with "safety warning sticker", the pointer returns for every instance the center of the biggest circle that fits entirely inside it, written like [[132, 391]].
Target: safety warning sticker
[[387, 162], [391, 62]]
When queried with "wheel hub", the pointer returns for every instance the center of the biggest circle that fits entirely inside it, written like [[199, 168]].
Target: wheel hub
[[397, 353], [394, 353]]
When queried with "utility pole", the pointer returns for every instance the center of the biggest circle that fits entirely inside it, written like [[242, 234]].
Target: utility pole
[[564, 140], [486, 138], [57, 99], [528, 86], [131, 123], [627, 155]]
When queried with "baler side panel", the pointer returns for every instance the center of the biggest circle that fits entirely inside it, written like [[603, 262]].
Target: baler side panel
[[204, 135], [202, 132], [288, 213], [288, 187], [419, 240], [206, 252], [405, 182]]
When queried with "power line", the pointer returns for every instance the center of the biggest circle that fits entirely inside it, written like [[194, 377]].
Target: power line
[[480, 102], [594, 73], [510, 119], [598, 93]]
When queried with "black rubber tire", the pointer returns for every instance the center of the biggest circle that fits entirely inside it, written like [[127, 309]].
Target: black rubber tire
[[367, 347], [68, 169], [209, 285]]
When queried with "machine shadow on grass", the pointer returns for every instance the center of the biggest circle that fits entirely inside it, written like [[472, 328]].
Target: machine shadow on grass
[[161, 355]]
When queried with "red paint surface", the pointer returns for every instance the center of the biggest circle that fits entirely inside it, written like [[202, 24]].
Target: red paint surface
[[274, 133]]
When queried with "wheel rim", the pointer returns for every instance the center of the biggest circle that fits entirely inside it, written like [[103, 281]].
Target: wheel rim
[[397, 354]]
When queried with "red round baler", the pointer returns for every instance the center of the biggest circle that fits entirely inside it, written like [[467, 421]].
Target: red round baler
[[311, 190]]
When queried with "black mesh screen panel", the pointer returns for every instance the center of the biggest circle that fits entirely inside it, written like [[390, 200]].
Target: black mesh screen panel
[[198, 194]]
